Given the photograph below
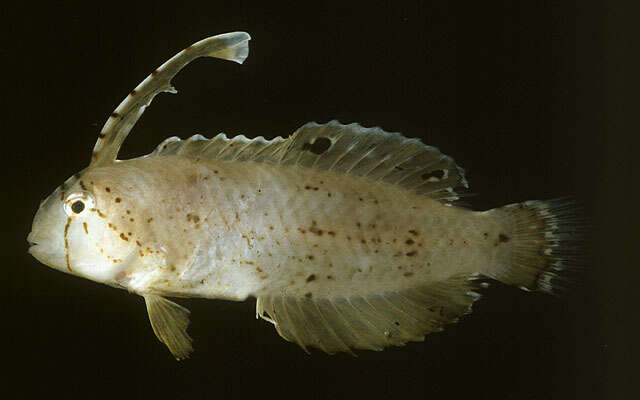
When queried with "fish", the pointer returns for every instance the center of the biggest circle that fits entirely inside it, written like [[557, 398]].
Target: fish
[[349, 238]]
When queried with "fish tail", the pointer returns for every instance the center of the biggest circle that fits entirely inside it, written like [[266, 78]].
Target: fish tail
[[548, 245]]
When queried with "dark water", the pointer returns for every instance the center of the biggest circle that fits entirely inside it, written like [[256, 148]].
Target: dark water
[[523, 96]]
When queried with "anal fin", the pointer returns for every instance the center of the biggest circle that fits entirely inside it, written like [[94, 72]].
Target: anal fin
[[370, 322], [169, 322]]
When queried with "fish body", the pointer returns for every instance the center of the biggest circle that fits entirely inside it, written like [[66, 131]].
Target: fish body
[[347, 236], [221, 229]]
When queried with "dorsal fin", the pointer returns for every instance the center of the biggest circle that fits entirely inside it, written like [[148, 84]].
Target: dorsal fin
[[228, 46], [348, 149]]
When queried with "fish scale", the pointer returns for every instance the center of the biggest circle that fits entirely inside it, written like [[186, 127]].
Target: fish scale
[[348, 237]]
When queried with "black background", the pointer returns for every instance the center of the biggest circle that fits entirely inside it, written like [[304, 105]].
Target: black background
[[524, 95]]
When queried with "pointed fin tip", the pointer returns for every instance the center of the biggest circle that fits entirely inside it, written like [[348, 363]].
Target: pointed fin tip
[[169, 322]]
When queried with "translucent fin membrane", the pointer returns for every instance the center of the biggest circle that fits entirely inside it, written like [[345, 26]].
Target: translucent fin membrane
[[369, 322], [548, 244], [370, 153], [169, 322]]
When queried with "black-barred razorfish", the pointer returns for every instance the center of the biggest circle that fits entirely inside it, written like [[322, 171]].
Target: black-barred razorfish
[[347, 236]]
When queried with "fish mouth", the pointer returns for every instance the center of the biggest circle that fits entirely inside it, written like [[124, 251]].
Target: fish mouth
[[31, 240]]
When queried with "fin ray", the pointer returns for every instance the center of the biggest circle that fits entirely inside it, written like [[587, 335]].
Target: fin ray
[[228, 46], [371, 321], [169, 322], [370, 153]]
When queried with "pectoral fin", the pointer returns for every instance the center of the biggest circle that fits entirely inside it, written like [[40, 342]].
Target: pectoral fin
[[169, 322]]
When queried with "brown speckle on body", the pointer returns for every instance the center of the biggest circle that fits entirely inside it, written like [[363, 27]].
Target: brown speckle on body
[[311, 278], [412, 253], [86, 230], [503, 238]]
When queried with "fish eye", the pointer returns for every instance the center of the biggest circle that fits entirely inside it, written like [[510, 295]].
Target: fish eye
[[77, 206], [77, 202]]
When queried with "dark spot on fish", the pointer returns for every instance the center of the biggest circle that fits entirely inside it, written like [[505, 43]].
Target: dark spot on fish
[[329, 194], [108, 189], [194, 218], [486, 235], [309, 257], [329, 277], [302, 230], [358, 224], [399, 168], [271, 228], [115, 115], [408, 274], [311, 278], [101, 135], [133, 92], [363, 241], [503, 238], [360, 198], [308, 295], [154, 73], [319, 146], [138, 243], [412, 253], [149, 220], [409, 242], [123, 237], [84, 225], [331, 233], [413, 232], [438, 174], [396, 323]]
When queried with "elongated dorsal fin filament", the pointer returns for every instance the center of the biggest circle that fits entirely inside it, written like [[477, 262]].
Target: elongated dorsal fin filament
[[228, 46]]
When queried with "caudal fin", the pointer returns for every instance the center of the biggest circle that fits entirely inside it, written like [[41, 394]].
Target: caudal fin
[[548, 244]]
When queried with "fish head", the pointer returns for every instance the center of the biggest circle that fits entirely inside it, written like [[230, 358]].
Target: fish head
[[71, 234]]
